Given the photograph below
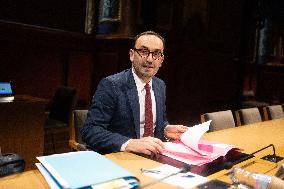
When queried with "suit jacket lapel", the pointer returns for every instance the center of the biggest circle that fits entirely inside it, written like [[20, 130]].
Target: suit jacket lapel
[[134, 101], [159, 104]]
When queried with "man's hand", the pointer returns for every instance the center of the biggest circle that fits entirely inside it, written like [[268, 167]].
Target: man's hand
[[146, 145], [174, 131]]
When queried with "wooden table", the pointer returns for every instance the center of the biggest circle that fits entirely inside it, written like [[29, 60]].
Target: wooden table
[[250, 138], [21, 127]]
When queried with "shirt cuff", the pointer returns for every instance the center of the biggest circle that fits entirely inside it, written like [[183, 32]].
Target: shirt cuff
[[123, 146], [167, 139]]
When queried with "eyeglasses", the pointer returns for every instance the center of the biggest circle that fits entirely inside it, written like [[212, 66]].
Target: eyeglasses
[[144, 53]]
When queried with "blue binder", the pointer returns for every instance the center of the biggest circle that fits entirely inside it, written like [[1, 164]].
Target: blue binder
[[82, 169]]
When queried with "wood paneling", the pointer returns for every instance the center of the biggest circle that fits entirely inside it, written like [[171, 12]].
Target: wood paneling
[[38, 60], [21, 128], [270, 79]]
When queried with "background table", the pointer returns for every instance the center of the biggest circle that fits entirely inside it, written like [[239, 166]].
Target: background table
[[21, 128]]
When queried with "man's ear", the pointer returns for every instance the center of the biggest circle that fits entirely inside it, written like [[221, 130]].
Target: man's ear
[[131, 55], [162, 60]]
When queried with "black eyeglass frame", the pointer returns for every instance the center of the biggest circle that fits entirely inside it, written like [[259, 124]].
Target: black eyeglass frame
[[160, 54]]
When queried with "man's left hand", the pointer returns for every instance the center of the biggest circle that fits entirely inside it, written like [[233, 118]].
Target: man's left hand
[[174, 131]]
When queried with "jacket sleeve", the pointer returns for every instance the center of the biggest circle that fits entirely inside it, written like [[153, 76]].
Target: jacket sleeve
[[96, 130]]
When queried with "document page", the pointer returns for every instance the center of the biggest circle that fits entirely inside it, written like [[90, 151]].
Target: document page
[[184, 180], [192, 136], [193, 150]]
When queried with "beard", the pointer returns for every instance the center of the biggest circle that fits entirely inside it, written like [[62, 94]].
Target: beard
[[145, 72]]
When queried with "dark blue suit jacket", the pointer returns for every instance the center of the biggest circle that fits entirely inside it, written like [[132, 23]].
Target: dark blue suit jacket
[[114, 116]]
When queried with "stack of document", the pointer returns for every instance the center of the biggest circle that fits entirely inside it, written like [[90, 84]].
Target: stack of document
[[184, 180], [85, 169], [192, 150]]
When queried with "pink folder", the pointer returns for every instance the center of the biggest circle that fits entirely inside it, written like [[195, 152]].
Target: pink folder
[[193, 150]]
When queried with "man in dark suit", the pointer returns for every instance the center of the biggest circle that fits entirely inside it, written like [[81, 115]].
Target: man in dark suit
[[128, 111]]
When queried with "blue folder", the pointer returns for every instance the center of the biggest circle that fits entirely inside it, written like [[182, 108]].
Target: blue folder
[[82, 169]]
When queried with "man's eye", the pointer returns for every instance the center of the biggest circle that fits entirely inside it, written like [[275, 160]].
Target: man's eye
[[145, 52], [157, 53]]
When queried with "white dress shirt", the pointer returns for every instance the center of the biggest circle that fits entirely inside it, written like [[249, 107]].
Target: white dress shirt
[[140, 85]]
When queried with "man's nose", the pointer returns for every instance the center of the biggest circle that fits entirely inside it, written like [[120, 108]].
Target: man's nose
[[150, 57]]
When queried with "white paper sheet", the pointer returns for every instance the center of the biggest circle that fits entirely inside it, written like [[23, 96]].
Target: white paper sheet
[[184, 180], [51, 182], [192, 136]]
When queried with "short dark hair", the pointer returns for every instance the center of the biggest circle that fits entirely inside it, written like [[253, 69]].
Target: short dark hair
[[149, 33]]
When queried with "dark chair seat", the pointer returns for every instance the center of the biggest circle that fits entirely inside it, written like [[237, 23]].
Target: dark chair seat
[[53, 123], [57, 124]]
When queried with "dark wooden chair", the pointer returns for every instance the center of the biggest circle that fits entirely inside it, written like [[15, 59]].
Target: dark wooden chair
[[77, 122], [57, 124]]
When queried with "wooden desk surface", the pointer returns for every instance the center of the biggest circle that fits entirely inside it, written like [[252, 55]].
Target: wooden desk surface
[[31, 99], [250, 138], [21, 127], [26, 180]]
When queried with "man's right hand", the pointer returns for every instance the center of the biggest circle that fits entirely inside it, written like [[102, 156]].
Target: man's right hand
[[146, 145]]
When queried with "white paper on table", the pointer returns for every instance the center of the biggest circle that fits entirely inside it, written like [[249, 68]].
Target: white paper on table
[[184, 180], [193, 134]]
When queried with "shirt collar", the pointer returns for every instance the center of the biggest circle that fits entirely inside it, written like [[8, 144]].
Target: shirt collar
[[139, 82]]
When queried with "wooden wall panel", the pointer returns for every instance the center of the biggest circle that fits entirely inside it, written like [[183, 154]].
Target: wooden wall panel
[[111, 56], [38, 60], [80, 74], [270, 79], [33, 71]]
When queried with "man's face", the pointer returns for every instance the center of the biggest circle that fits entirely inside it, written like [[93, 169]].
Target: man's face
[[146, 64]]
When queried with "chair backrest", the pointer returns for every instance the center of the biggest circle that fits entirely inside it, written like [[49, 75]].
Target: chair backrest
[[248, 116], [220, 120], [77, 122], [63, 103], [273, 112]]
